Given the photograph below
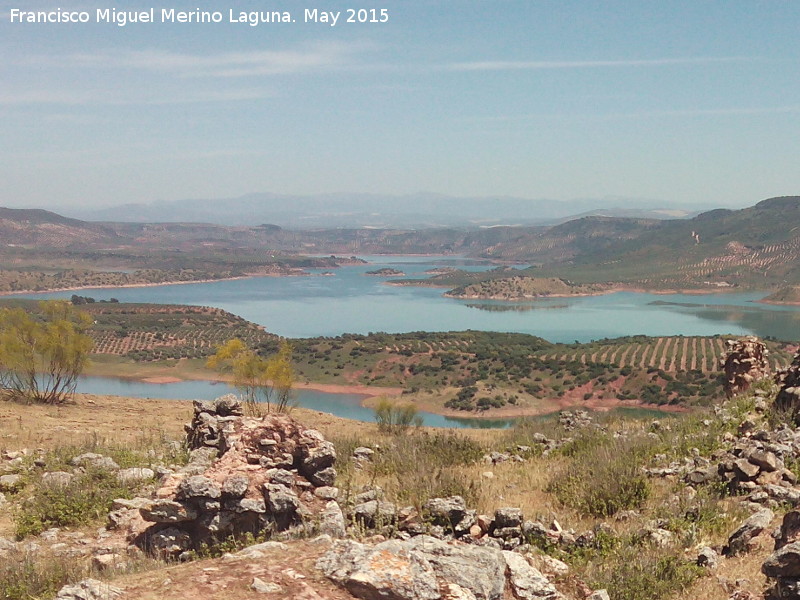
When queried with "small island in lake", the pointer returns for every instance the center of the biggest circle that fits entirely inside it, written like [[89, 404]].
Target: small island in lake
[[386, 272], [524, 288]]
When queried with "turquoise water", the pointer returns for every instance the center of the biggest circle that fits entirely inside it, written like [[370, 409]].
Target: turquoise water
[[341, 405], [351, 302]]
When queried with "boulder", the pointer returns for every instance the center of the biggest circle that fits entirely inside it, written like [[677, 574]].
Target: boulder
[[89, 589], [388, 571], [789, 531], [788, 398], [169, 542], [707, 557], [740, 540], [265, 587], [198, 486], [445, 511], [57, 479], [527, 583], [135, 475], [784, 562], [94, 461], [767, 461], [331, 520], [427, 568], [168, 511], [9, 483]]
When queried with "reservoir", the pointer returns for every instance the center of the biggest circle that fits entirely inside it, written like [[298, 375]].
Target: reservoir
[[351, 302]]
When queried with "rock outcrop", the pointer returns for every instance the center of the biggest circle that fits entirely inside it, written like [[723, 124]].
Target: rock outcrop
[[264, 478], [745, 362], [783, 566], [426, 568], [788, 398]]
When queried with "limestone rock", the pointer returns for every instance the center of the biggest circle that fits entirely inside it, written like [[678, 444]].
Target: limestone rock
[[375, 513], [478, 569], [198, 486], [446, 511], [507, 517], [94, 461], [388, 571], [426, 568], [57, 479], [331, 520], [745, 362], [170, 541], [452, 591], [89, 589], [789, 531], [527, 583], [9, 483], [245, 475], [740, 540], [707, 557], [784, 562], [265, 587], [135, 475], [168, 511], [788, 398]]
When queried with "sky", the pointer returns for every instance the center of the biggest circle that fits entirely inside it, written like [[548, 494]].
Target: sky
[[694, 102]]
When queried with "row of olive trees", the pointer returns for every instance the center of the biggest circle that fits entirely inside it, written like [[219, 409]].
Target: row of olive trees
[[43, 353]]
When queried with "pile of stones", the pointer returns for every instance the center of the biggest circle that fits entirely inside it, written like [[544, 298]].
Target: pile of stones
[[744, 363], [783, 566], [755, 467], [246, 475], [788, 399]]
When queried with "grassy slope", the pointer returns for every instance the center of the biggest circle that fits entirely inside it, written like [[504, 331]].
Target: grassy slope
[[418, 465]]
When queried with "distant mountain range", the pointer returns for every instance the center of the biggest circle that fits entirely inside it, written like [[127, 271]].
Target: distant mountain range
[[752, 247], [414, 211]]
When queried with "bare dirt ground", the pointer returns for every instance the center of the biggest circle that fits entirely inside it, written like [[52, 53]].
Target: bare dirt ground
[[219, 579]]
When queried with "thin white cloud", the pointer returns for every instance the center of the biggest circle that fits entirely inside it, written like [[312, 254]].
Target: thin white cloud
[[511, 65], [690, 112], [318, 57], [85, 98]]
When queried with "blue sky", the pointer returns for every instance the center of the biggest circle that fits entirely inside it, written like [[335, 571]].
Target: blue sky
[[680, 102]]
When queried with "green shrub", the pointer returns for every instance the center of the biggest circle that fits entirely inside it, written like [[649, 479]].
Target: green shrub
[[87, 498], [24, 576], [641, 575], [603, 477], [392, 416], [413, 468]]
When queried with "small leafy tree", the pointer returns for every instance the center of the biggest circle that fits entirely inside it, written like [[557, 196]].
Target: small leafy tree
[[259, 380], [42, 355], [396, 417]]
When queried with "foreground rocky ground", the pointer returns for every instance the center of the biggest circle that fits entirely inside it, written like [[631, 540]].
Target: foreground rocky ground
[[236, 506]]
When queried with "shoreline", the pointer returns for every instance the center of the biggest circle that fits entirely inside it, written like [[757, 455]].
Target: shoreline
[[552, 406], [160, 284], [371, 394], [126, 285], [634, 290], [368, 392]]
